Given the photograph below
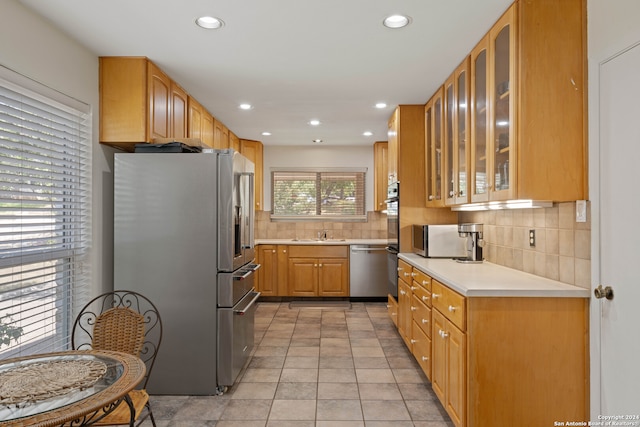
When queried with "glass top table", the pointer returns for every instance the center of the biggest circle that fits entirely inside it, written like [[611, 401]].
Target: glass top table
[[65, 388]]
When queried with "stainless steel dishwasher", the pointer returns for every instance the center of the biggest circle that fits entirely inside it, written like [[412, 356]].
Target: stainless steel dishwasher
[[368, 271]]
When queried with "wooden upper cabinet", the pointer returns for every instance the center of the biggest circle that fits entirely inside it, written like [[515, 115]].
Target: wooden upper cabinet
[[434, 156], [456, 119], [179, 111], [380, 174], [234, 141], [528, 105], [207, 129], [220, 135], [253, 150], [392, 153], [200, 123], [139, 102]]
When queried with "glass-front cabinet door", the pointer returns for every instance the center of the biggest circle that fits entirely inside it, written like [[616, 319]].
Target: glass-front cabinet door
[[479, 185], [428, 151], [461, 140], [449, 140], [502, 85], [435, 149]]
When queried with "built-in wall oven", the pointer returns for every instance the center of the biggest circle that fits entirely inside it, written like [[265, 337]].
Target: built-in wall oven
[[393, 236]]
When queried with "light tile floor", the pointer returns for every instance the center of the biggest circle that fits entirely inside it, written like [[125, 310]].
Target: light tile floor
[[317, 368]]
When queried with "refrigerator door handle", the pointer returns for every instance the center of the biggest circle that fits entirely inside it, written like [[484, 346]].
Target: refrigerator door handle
[[246, 306]]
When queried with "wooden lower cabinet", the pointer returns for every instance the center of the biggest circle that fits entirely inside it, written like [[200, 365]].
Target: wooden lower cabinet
[[497, 361], [392, 309], [448, 366], [267, 283], [421, 346], [318, 271]]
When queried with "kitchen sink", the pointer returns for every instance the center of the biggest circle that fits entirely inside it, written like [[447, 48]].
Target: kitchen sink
[[319, 240]]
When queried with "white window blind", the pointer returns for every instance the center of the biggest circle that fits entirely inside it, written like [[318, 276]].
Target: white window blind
[[44, 214], [318, 194]]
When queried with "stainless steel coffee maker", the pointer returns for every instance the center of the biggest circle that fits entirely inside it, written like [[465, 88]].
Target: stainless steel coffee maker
[[475, 242]]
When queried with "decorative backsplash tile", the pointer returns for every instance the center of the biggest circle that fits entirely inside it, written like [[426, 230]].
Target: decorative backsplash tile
[[562, 249], [374, 228]]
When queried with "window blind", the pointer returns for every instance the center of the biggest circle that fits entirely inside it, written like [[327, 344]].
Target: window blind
[[44, 214], [319, 194]]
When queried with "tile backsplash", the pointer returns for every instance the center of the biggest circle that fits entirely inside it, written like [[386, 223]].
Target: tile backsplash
[[374, 228], [562, 246], [562, 249]]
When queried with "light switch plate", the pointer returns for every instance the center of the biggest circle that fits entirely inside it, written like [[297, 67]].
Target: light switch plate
[[581, 211]]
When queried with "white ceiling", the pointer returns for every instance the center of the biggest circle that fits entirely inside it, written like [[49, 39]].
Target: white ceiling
[[293, 60]]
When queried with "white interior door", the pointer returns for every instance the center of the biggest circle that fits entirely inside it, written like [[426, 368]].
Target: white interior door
[[619, 233]]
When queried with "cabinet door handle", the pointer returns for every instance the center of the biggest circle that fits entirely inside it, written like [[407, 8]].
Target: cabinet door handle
[[452, 308], [273, 251], [430, 197], [315, 265], [414, 341], [406, 274], [403, 292], [425, 321], [413, 288], [435, 296], [425, 282], [400, 269], [320, 265], [442, 333], [284, 251], [425, 299], [413, 274], [425, 358], [413, 308]]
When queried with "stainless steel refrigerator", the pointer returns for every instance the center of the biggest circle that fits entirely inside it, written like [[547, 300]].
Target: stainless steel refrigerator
[[183, 237]]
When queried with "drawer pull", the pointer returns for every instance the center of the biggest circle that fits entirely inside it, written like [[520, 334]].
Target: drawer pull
[[414, 274], [413, 308], [406, 274], [400, 269], [442, 333], [434, 296], [413, 288], [425, 282], [425, 321], [414, 341], [403, 292], [425, 358], [452, 308], [424, 298]]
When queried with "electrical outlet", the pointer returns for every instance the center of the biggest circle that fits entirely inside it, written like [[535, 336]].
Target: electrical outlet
[[581, 211], [532, 238]]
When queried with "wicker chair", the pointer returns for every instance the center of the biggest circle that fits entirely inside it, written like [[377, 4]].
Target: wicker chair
[[123, 321]]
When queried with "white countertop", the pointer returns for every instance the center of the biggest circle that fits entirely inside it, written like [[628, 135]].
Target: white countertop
[[321, 242], [491, 280]]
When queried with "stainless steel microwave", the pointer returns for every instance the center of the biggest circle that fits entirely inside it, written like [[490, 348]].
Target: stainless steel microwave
[[438, 241]]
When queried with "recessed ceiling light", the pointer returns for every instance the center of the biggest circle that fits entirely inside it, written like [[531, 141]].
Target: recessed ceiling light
[[317, 141], [381, 105], [245, 106], [266, 133], [367, 133], [314, 122], [209, 22], [396, 21]]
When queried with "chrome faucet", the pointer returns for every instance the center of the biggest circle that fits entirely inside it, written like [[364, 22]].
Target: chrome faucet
[[322, 235]]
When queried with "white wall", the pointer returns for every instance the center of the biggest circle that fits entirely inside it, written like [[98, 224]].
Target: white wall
[[612, 27], [318, 156], [32, 47]]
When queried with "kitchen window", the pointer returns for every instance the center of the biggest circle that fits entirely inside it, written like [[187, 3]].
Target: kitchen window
[[320, 194], [45, 169]]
